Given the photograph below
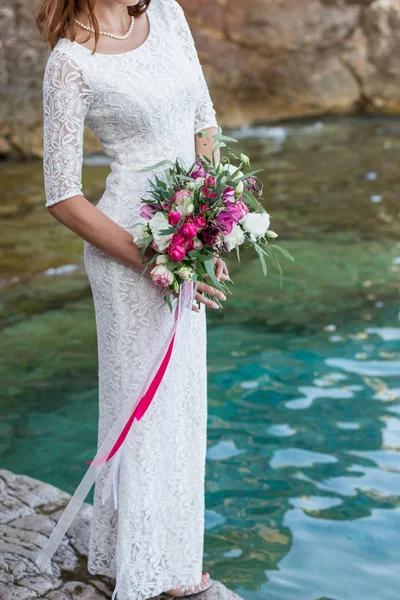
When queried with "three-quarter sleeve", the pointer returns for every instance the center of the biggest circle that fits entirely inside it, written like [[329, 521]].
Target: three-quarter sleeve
[[66, 99], [205, 113]]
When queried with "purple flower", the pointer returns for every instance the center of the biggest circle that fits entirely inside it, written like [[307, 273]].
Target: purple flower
[[229, 196], [251, 184], [208, 236], [198, 170], [147, 211], [225, 220]]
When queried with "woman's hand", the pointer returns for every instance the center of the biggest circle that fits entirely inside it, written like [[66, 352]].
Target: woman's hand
[[204, 288], [221, 270], [221, 273]]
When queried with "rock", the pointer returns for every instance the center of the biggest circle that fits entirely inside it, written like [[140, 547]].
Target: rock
[[28, 511], [281, 59]]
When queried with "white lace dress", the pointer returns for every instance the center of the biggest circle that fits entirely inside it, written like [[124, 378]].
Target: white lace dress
[[145, 105]]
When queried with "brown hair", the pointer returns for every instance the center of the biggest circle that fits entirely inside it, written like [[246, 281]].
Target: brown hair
[[55, 18]]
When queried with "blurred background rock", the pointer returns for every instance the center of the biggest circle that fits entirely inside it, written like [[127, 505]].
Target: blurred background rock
[[263, 60]]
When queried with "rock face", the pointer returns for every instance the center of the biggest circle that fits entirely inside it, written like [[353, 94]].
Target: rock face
[[28, 512], [277, 60]]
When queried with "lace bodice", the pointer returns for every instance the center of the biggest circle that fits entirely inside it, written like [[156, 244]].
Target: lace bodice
[[132, 101]]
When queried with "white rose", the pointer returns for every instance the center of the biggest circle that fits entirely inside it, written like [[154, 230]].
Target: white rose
[[235, 238], [140, 231], [231, 169], [186, 273], [256, 224], [159, 223]]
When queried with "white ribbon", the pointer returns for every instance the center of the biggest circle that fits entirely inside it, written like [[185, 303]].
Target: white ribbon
[[185, 301]]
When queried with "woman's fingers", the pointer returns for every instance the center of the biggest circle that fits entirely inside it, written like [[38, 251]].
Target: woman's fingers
[[219, 268], [205, 300], [204, 288]]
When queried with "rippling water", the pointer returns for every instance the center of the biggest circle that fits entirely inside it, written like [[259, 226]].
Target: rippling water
[[303, 469]]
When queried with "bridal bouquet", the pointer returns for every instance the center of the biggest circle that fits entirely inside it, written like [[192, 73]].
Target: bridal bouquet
[[199, 213]]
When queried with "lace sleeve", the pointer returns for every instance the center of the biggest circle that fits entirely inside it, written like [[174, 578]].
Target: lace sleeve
[[205, 113], [65, 102]]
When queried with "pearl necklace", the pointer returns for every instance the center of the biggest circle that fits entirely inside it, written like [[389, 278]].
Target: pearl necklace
[[111, 35]]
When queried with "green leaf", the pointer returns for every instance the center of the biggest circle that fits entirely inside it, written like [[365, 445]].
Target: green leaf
[[159, 164], [209, 265], [168, 301], [225, 138], [262, 259], [284, 252], [238, 253]]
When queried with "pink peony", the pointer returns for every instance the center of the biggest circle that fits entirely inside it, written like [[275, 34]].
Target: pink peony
[[174, 217], [177, 239], [189, 230], [147, 211], [161, 276], [180, 196], [176, 252], [189, 245], [200, 222]]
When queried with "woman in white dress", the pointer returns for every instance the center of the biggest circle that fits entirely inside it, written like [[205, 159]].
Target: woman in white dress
[[143, 93]]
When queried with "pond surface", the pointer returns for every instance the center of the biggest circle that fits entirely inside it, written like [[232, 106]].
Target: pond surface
[[303, 465]]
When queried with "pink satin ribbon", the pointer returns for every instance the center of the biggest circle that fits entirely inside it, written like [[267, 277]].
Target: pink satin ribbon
[[141, 407]]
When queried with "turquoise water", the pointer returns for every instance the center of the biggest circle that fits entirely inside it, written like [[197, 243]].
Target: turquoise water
[[303, 463], [303, 468]]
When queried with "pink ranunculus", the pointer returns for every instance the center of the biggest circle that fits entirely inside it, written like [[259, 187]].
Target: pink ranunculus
[[209, 181], [208, 236], [176, 253], [180, 196], [174, 217], [147, 211], [203, 208], [224, 221], [189, 230], [242, 206], [200, 222], [229, 196], [198, 170]]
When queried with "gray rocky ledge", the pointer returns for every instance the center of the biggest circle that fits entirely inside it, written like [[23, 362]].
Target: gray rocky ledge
[[28, 511]]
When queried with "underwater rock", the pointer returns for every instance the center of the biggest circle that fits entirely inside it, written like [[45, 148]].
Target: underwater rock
[[28, 511]]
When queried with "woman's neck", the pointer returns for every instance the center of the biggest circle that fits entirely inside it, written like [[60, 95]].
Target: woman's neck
[[110, 15]]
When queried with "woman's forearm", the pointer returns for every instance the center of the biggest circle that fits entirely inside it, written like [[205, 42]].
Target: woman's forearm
[[205, 146], [87, 221]]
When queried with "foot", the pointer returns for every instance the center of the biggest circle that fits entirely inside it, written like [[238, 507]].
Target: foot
[[188, 590]]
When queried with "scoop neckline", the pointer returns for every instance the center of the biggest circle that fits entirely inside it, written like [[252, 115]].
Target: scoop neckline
[[144, 43]]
